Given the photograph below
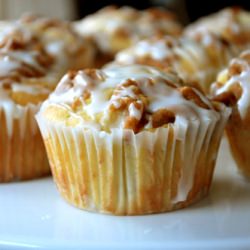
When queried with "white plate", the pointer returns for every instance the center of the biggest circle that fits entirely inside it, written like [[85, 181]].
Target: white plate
[[32, 214]]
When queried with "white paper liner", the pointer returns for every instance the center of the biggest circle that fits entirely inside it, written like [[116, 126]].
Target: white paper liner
[[22, 153], [13, 112], [126, 173]]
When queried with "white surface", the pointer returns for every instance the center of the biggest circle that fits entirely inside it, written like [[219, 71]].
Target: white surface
[[32, 214]]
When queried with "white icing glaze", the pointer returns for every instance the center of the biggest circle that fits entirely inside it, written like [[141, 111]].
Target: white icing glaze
[[31, 89], [157, 50], [196, 60], [7, 65], [27, 57], [160, 94], [55, 48], [187, 57], [6, 28], [134, 112]]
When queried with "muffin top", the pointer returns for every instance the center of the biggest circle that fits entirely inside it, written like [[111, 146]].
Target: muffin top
[[233, 24], [58, 36], [128, 97], [233, 84], [197, 62], [35, 52], [70, 50], [26, 69], [114, 28]]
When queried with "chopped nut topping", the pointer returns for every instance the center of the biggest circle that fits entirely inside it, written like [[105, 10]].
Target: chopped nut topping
[[44, 59], [27, 53], [130, 97], [131, 123], [125, 94], [227, 97], [76, 104], [236, 89], [236, 67], [161, 117], [11, 43], [6, 84], [92, 73], [190, 94], [71, 74]]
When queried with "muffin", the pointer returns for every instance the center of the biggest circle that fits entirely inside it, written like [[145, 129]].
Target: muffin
[[25, 81], [35, 52], [130, 140], [233, 88], [197, 61], [113, 29], [232, 24]]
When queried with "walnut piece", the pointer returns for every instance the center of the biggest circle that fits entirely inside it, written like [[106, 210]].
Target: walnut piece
[[190, 94], [227, 97], [161, 117]]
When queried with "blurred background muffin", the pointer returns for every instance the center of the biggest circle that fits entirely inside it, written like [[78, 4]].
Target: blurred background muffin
[[34, 54], [113, 29], [196, 61], [233, 88]]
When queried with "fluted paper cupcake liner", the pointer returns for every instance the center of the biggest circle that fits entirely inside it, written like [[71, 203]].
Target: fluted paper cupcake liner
[[22, 152], [125, 173]]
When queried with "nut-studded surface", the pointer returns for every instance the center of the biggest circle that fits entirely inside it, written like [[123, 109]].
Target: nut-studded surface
[[133, 97]]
